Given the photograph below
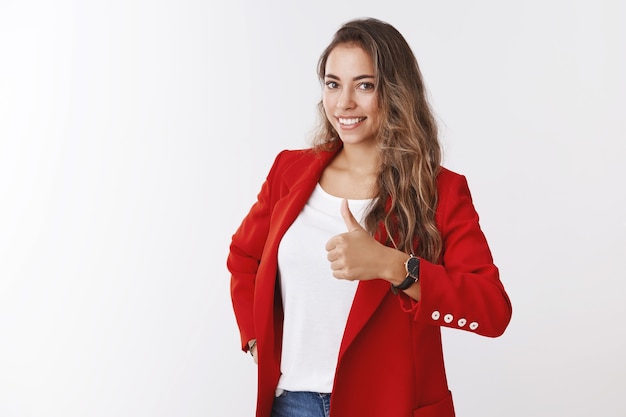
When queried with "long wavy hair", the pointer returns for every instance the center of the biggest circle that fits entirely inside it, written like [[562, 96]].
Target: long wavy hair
[[406, 186]]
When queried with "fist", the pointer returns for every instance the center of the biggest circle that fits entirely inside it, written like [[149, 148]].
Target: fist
[[353, 255]]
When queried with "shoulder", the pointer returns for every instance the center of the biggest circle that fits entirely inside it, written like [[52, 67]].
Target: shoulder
[[300, 159], [447, 178], [452, 186], [295, 155]]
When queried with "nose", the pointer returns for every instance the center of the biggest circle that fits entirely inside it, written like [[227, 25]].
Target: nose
[[346, 100]]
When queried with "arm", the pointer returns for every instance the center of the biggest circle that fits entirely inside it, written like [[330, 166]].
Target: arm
[[245, 254], [464, 291]]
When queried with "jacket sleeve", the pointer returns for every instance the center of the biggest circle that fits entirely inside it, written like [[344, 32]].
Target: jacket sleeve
[[243, 260], [464, 291]]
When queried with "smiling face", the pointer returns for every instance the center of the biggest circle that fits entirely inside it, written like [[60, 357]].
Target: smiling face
[[350, 99]]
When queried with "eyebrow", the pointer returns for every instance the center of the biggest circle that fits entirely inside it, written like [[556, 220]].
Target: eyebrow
[[357, 78]]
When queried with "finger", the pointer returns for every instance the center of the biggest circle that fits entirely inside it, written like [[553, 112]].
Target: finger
[[348, 218]]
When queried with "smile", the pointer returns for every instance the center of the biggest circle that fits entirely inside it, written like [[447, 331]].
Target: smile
[[351, 121]]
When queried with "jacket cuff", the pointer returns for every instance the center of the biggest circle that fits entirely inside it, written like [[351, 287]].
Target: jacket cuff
[[408, 304]]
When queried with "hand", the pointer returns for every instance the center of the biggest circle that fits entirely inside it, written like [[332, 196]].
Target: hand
[[253, 351], [254, 355], [354, 255]]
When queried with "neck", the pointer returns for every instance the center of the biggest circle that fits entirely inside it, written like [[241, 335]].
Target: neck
[[361, 159]]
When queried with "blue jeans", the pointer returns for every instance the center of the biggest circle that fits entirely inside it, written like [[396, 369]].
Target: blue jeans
[[301, 404]]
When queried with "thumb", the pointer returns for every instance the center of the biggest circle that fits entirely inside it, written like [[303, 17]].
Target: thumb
[[348, 218]]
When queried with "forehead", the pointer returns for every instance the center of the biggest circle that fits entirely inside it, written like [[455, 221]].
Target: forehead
[[349, 60]]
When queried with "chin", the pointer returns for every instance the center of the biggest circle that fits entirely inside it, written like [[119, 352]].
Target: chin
[[352, 140]]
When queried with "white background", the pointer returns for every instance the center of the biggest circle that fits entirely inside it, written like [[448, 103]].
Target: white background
[[134, 136]]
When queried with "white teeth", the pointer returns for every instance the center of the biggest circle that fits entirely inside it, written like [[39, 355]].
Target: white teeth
[[351, 121]]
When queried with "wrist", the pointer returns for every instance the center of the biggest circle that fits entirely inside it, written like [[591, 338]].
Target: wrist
[[412, 269], [396, 271]]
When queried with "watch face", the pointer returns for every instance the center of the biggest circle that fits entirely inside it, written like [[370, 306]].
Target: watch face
[[413, 267]]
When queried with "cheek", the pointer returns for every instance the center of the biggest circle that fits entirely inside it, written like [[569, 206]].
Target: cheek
[[375, 111], [373, 105], [328, 106]]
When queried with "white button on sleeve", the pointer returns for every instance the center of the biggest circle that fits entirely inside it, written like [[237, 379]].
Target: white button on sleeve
[[436, 315], [448, 318], [473, 325], [462, 322]]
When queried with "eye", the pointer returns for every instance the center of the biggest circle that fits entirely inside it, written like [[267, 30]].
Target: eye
[[331, 85], [366, 86]]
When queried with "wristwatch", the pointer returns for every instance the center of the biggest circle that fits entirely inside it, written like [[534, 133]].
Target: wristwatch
[[412, 266]]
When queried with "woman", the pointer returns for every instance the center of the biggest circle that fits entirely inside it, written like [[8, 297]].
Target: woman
[[361, 248]]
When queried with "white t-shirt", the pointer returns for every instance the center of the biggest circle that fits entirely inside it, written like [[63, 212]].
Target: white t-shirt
[[316, 304]]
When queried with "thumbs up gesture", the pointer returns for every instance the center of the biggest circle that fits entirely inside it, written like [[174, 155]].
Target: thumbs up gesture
[[354, 255]]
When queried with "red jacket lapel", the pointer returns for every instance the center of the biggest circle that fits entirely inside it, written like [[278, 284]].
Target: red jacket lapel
[[301, 183]]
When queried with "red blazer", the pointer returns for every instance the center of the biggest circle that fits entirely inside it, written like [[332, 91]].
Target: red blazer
[[391, 361]]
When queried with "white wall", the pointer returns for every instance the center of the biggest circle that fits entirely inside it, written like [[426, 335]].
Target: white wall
[[134, 136]]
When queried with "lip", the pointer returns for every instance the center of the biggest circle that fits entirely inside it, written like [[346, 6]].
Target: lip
[[350, 122]]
